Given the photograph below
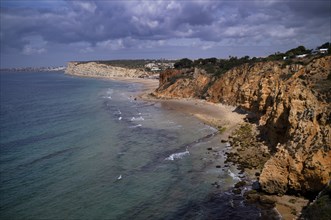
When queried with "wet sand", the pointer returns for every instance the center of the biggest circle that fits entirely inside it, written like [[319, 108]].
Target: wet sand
[[219, 116], [214, 114]]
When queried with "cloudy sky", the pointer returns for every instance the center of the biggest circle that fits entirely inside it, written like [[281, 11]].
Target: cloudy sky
[[50, 33]]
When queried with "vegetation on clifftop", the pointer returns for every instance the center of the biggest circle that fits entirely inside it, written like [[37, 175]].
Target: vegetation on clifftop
[[218, 67], [130, 64]]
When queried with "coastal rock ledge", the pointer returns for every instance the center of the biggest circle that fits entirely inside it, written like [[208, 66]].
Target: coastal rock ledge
[[292, 105], [99, 70]]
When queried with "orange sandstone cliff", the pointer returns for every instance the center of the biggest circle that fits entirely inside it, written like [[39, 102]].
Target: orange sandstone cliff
[[294, 115]]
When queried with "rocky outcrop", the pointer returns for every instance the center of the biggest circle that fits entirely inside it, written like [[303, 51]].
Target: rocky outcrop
[[294, 115], [94, 69], [186, 83]]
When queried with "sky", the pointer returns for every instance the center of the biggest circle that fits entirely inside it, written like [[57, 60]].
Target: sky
[[51, 33]]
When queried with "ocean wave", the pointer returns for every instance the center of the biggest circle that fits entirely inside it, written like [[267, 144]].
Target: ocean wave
[[179, 155], [140, 118], [109, 93], [119, 118], [136, 126], [207, 127], [234, 176]]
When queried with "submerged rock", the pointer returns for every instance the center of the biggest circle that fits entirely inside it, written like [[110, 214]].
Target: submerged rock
[[256, 185], [236, 191], [240, 184]]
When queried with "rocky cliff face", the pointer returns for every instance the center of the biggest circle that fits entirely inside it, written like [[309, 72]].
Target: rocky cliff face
[[93, 69], [187, 83], [293, 105]]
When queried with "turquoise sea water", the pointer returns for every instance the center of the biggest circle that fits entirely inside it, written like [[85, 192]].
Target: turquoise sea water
[[78, 148]]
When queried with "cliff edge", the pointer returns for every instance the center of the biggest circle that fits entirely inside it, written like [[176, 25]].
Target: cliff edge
[[292, 105], [99, 70]]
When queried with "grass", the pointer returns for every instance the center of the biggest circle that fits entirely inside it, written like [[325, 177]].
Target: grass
[[221, 129]]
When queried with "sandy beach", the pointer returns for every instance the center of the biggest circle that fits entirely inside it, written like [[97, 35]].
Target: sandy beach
[[214, 114]]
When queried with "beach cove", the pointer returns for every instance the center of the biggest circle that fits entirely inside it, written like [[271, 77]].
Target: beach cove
[[90, 150], [228, 120]]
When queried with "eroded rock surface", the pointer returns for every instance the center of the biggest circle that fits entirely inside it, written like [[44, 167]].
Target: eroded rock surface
[[292, 103]]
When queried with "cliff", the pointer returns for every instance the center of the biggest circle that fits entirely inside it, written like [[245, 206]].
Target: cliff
[[292, 103], [94, 69]]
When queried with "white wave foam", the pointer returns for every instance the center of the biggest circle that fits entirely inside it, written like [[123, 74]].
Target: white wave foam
[[227, 144], [179, 155], [109, 93], [120, 118], [137, 119], [207, 127], [234, 176], [136, 126]]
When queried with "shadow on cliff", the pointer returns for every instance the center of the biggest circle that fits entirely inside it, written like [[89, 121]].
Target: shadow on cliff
[[276, 132], [273, 132]]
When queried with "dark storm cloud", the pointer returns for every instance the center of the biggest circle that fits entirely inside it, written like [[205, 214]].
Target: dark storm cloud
[[87, 25]]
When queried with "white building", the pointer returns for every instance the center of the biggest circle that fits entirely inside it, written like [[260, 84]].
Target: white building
[[155, 68], [301, 56], [323, 50]]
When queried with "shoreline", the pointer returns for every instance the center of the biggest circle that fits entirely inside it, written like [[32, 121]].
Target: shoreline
[[217, 115], [227, 121], [212, 114]]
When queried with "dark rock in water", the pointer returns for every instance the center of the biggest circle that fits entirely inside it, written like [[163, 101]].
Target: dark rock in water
[[267, 201], [209, 148], [252, 196], [216, 185], [240, 184], [218, 166], [223, 206], [257, 174], [223, 141], [236, 191], [256, 185]]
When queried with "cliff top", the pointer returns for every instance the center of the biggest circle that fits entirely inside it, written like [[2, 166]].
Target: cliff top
[[130, 64]]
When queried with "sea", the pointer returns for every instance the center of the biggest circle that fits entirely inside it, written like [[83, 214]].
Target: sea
[[83, 148]]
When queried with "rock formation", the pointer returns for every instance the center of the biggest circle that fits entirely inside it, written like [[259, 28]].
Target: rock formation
[[292, 103], [94, 69], [186, 83]]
